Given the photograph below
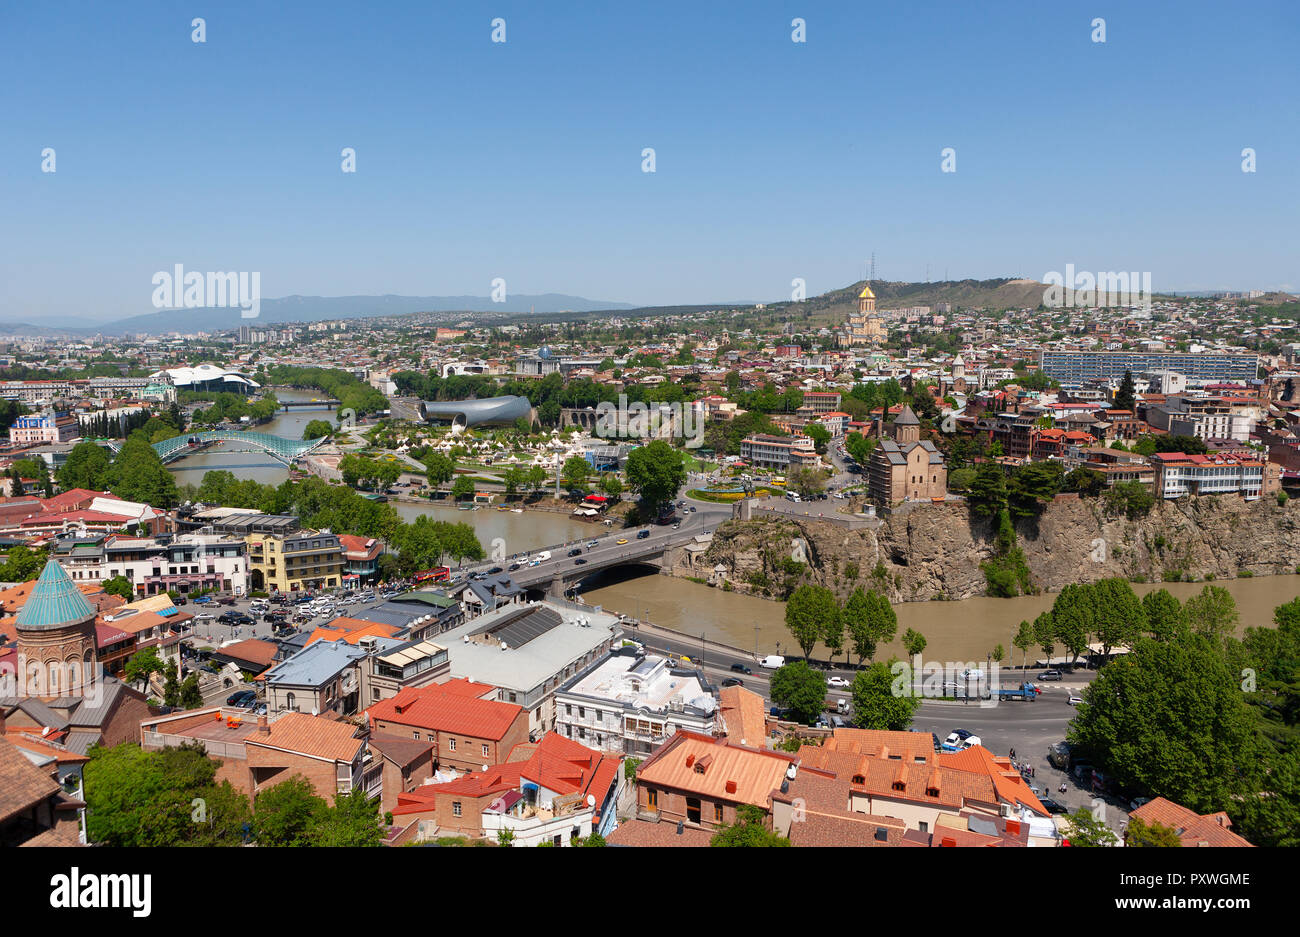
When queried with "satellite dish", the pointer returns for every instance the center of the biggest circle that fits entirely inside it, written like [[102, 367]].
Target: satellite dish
[[591, 800], [670, 728]]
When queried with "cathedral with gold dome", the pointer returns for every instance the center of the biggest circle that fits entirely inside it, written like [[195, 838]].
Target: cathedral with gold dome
[[866, 326]]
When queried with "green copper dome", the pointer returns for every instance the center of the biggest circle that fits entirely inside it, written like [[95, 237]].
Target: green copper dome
[[55, 602]]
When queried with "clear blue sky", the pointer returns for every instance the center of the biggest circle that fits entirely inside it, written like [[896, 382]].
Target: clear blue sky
[[522, 160]]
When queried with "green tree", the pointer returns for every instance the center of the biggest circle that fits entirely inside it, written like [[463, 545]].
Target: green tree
[[316, 429], [1170, 718], [1032, 487], [1087, 482], [656, 471], [805, 613], [191, 697], [1074, 613], [23, 563], [800, 689], [1121, 616], [611, 485], [1139, 833], [1212, 612], [462, 488], [857, 616], [139, 475], [141, 664], [876, 706], [575, 471], [438, 468], [1023, 641], [1045, 634], [87, 466], [1083, 829], [164, 798], [287, 813], [988, 491], [820, 436], [1126, 397], [119, 585], [913, 642], [750, 829], [353, 821], [1164, 615]]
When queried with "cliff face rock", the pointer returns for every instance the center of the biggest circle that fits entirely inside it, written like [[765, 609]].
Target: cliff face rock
[[935, 551]]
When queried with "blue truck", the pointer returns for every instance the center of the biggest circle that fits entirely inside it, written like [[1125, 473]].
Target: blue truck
[[1025, 691]]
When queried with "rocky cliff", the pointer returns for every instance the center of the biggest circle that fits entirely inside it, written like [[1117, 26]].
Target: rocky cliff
[[935, 551]]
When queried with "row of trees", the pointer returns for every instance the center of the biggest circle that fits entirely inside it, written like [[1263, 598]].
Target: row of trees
[[171, 798], [1110, 613], [801, 690], [1202, 718], [351, 392], [363, 470], [812, 614], [232, 407], [420, 544]]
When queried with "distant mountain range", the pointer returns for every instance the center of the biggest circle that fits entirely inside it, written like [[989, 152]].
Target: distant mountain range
[[311, 309], [1002, 293]]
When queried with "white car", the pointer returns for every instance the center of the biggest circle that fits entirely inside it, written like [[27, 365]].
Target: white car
[[838, 681], [205, 616], [1075, 700]]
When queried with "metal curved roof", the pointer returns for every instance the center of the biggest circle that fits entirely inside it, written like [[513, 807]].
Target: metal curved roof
[[476, 412], [55, 602]]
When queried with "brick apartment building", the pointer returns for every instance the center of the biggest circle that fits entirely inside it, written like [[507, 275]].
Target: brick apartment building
[[467, 731]]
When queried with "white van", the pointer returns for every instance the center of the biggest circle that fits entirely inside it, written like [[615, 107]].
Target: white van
[[772, 662], [543, 556], [792, 496]]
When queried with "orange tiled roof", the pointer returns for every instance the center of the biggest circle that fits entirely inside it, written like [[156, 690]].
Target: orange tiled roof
[[1192, 828], [430, 707], [310, 735], [743, 715], [716, 769], [350, 630]]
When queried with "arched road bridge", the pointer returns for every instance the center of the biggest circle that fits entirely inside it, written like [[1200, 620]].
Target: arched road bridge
[[561, 572], [277, 447]]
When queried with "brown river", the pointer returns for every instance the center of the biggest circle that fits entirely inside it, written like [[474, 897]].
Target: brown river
[[965, 630]]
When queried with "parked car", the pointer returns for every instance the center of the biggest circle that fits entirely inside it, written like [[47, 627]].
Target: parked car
[[205, 616], [1049, 675], [838, 681], [203, 600], [741, 668], [242, 698]]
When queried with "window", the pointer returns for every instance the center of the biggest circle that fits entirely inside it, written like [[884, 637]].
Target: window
[[652, 798], [455, 808], [416, 736], [693, 809], [717, 813], [923, 826], [582, 712], [485, 751], [568, 710], [451, 744]]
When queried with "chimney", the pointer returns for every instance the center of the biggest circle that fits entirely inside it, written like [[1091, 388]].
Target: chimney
[[263, 727]]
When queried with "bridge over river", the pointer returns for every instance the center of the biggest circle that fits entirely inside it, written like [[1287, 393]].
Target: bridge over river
[[559, 573], [286, 451]]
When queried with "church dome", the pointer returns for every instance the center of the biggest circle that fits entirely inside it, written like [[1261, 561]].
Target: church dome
[[866, 293], [55, 602]]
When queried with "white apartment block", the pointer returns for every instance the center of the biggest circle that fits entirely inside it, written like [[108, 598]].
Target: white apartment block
[[631, 703]]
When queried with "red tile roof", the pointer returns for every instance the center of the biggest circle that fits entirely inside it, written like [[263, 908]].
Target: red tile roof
[[1192, 828], [431, 707]]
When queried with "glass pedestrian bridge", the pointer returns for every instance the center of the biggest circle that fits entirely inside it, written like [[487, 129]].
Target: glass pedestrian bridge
[[279, 448]]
